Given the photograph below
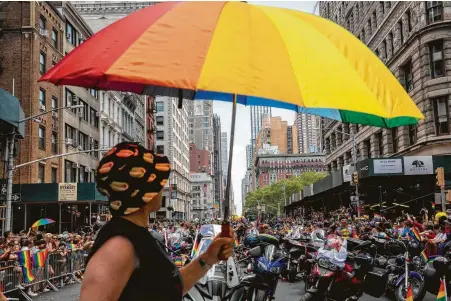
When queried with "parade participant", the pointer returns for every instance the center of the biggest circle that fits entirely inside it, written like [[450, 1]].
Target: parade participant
[[126, 263]]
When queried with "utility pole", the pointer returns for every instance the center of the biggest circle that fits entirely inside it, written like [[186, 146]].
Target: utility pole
[[354, 159], [440, 176]]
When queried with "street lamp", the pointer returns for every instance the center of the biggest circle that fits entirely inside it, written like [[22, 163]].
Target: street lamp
[[11, 167]]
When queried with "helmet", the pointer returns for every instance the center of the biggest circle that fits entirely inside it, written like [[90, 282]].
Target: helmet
[[251, 240]]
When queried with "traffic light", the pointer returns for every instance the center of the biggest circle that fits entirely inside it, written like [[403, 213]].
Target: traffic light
[[440, 176], [355, 177]]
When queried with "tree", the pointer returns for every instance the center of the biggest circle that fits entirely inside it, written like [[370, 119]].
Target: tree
[[275, 193]]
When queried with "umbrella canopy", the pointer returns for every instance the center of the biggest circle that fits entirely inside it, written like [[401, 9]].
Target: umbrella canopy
[[43, 222], [263, 55]]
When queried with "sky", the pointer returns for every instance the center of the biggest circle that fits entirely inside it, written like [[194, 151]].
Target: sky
[[242, 138]]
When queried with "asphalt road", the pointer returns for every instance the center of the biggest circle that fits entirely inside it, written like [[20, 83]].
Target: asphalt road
[[285, 292]]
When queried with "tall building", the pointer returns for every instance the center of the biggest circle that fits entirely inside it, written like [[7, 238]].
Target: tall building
[[276, 136], [202, 193], [224, 156], [199, 160], [202, 124], [308, 133], [217, 164], [413, 39], [134, 115], [150, 122], [172, 140], [248, 156], [257, 116], [32, 40]]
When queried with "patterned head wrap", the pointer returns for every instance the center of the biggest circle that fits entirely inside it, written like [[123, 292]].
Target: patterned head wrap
[[131, 176]]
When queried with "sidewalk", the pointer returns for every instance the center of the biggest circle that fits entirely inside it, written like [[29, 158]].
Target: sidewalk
[[70, 292]]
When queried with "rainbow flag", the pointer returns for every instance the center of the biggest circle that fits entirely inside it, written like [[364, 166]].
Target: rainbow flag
[[178, 261], [236, 243], [424, 256], [409, 296], [415, 234], [377, 216], [71, 246], [39, 258], [195, 250], [433, 205], [442, 291], [24, 259]]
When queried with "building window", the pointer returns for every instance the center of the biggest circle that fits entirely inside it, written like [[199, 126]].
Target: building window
[[380, 143], [394, 134], [41, 142], [437, 59], [160, 106], [413, 134], [81, 174], [94, 93], [54, 175], [42, 62], [42, 23], [390, 40], [407, 74], [71, 100], [42, 99], [160, 149], [55, 38], [441, 114], [41, 173], [94, 119], [71, 133], [71, 34], [409, 20], [160, 120], [84, 110], [367, 144], [434, 10], [401, 31], [96, 146], [54, 143], [160, 135], [54, 102]]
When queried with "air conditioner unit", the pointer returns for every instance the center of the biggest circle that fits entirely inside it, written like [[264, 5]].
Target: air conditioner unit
[[42, 107], [75, 165], [44, 32], [55, 115], [67, 35], [80, 114], [87, 169], [80, 147], [69, 141]]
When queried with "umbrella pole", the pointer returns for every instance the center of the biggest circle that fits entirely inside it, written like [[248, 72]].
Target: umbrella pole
[[229, 171]]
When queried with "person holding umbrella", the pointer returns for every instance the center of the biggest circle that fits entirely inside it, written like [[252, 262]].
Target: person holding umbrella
[[126, 262]]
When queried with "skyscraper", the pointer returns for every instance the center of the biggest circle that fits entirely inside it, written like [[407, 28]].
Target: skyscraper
[[257, 114], [248, 156], [308, 133], [224, 156], [202, 124]]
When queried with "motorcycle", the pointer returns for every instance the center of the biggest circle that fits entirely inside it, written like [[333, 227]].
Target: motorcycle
[[337, 275], [404, 271], [437, 268], [222, 281]]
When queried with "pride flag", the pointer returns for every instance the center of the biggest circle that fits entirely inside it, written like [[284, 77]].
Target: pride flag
[[415, 234], [377, 216], [433, 205], [442, 291], [424, 256], [39, 258], [195, 250], [178, 261], [24, 259], [409, 296], [236, 243], [71, 246]]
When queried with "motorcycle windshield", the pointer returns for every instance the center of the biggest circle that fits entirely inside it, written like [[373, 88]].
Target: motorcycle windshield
[[272, 252], [175, 238], [335, 250]]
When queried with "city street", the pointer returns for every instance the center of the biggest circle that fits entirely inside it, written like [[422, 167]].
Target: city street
[[285, 292]]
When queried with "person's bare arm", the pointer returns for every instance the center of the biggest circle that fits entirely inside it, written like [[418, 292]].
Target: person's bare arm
[[108, 271]]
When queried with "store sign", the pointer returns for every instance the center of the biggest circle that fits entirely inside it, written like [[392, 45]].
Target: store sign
[[67, 191], [174, 192], [418, 165], [363, 168], [387, 166], [347, 174]]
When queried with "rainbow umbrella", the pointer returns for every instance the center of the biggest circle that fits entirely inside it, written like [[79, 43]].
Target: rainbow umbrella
[[247, 54], [42, 222]]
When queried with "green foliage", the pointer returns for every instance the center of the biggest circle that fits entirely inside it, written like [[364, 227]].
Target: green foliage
[[274, 194]]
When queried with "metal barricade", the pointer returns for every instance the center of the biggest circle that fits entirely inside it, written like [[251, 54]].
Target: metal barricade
[[59, 270]]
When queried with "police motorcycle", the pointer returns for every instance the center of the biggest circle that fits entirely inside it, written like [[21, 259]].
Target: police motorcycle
[[437, 268], [223, 282]]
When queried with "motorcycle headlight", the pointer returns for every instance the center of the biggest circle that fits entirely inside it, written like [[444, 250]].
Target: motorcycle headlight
[[275, 270]]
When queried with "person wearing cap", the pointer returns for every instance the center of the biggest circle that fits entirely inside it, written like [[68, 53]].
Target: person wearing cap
[[126, 262]]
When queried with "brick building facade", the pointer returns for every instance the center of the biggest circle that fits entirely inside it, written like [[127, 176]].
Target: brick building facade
[[270, 169], [31, 42], [414, 40], [199, 160]]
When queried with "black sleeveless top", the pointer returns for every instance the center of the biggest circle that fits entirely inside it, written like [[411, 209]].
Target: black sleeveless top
[[156, 278]]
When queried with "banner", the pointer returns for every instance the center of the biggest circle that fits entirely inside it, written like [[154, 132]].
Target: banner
[[67, 192], [418, 165], [387, 166], [347, 174]]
